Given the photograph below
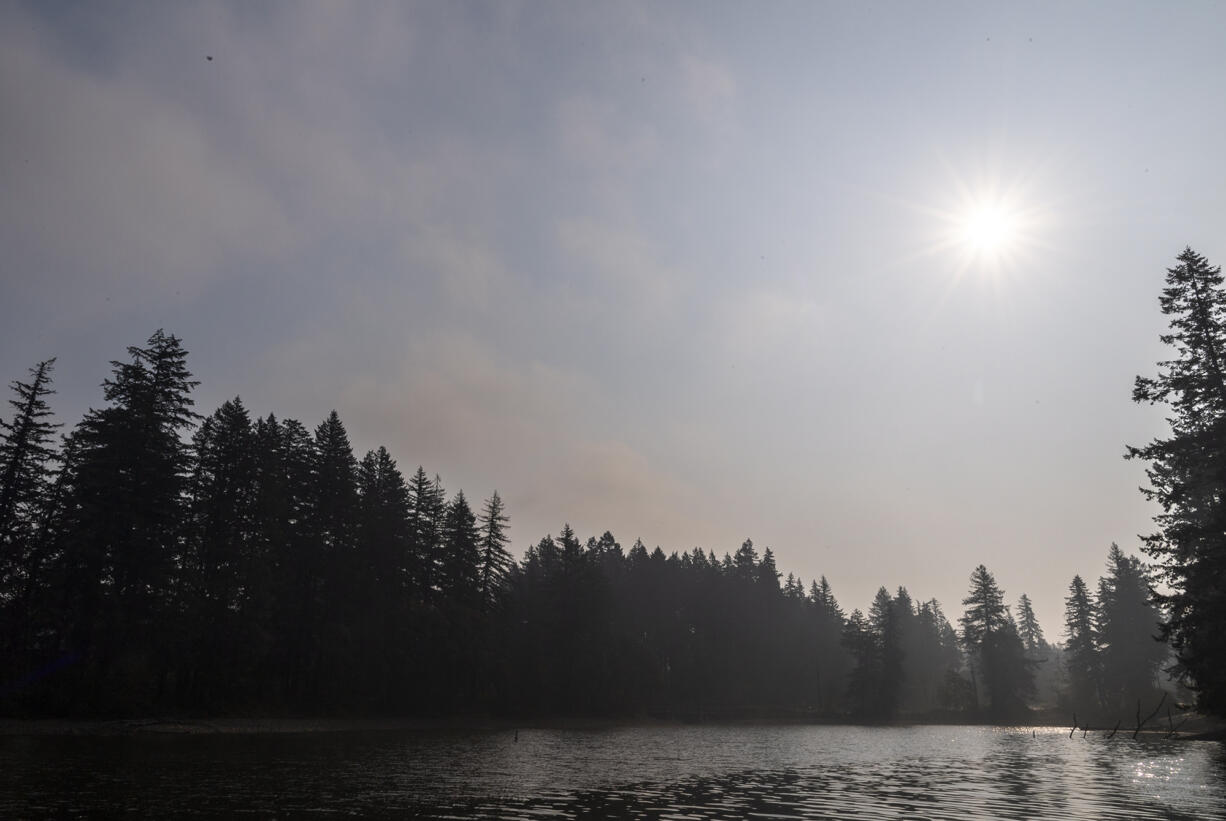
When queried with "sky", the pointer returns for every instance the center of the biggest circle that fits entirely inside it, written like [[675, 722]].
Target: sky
[[868, 283]]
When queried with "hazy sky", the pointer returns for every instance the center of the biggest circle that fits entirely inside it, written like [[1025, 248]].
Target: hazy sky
[[690, 272]]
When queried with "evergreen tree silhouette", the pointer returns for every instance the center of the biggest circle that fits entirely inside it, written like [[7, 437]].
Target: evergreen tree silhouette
[[459, 569], [886, 624], [1187, 475], [1128, 624], [999, 667], [334, 582], [385, 619], [219, 550], [493, 543], [1028, 627], [26, 458], [124, 525], [26, 463], [1081, 647]]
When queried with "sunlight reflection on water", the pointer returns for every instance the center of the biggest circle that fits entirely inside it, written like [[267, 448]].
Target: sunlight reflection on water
[[631, 773]]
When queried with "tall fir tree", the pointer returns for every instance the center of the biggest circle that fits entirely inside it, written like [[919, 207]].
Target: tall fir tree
[[460, 569], [864, 676], [998, 661], [337, 590], [288, 570], [218, 550], [426, 506], [831, 654], [386, 617], [1128, 626], [1081, 647], [1028, 627], [383, 524], [1187, 476], [26, 458], [335, 493], [124, 526], [223, 505], [495, 558], [886, 623]]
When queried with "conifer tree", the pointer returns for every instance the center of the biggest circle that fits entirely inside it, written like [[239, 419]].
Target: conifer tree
[[1028, 626], [864, 677], [985, 608], [218, 550], [746, 562], [493, 542], [1081, 646], [335, 491], [886, 624], [460, 567], [26, 459], [26, 456], [426, 507], [767, 574], [832, 655], [994, 649], [1187, 475], [822, 596], [932, 656], [384, 521], [334, 583], [1128, 624], [384, 618], [124, 522], [222, 491]]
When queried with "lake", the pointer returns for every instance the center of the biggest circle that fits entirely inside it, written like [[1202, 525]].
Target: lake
[[702, 772]]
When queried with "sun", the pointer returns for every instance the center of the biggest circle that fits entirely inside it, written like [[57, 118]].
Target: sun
[[988, 224], [989, 231]]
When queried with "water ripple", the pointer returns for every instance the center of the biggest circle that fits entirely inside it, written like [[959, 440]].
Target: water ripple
[[684, 774]]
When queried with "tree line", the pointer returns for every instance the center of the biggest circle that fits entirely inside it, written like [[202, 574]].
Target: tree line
[[157, 560]]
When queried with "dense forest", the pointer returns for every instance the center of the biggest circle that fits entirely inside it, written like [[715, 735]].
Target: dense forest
[[259, 566], [154, 560]]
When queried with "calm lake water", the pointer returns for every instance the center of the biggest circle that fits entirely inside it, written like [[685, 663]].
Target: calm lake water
[[634, 772]]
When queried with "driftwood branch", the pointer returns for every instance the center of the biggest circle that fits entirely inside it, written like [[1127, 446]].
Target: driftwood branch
[[1170, 723], [1141, 723]]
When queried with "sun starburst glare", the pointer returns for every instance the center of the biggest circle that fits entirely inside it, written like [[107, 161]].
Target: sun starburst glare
[[986, 228], [989, 232]]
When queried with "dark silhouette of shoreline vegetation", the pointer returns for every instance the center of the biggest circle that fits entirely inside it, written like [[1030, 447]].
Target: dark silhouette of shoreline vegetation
[[157, 561]]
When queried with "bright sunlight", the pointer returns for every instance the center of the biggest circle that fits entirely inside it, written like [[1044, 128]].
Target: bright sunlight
[[989, 230]]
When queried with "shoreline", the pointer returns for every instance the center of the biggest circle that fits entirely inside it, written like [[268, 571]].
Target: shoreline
[[289, 726]]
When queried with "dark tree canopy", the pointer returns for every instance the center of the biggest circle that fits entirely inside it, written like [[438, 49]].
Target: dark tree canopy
[[223, 565]]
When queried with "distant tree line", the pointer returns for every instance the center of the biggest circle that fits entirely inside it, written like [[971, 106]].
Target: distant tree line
[[155, 560]]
